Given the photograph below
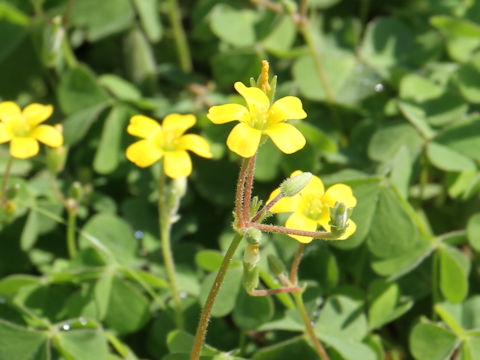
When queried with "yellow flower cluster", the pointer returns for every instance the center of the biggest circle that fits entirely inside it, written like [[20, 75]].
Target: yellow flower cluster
[[23, 130]]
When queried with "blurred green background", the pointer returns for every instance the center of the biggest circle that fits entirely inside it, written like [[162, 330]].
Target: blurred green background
[[392, 93]]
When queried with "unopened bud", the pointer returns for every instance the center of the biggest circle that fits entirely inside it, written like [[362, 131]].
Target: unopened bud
[[180, 186], [250, 278], [75, 192], [251, 256], [275, 265], [338, 218], [56, 158], [294, 185], [253, 236], [10, 207]]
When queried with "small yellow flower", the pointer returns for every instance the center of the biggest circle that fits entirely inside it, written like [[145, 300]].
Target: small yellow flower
[[310, 207], [23, 129], [258, 118], [166, 140]]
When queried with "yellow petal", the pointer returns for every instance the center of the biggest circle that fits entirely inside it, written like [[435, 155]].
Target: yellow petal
[[351, 228], [286, 204], [143, 126], [315, 186], [8, 110], [143, 153], [286, 137], [257, 101], [286, 108], [340, 193], [300, 222], [244, 140], [4, 135], [197, 144], [222, 114], [48, 135], [35, 114], [178, 124], [23, 147], [177, 164]]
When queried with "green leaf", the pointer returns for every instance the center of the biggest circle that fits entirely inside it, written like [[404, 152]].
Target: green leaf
[[296, 348], [429, 341], [471, 349], [209, 260], [128, 310], [252, 311], [447, 159], [385, 303], [120, 88], [226, 298], [150, 18], [235, 65], [321, 266], [455, 26], [109, 151], [11, 284], [454, 269], [268, 161], [349, 80], [463, 137], [282, 37], [76, 125], [316, 137], [92, 14], [110, 235], [401, 171], [13, 29], [236, 27], [18, 343], [473, 231], [386, 240], [181, 342], [342, 317], [30, 231], [348, 349], [139, 60], [387, 44], [83, 344], [386, 141], [79, 90], [468, 77]]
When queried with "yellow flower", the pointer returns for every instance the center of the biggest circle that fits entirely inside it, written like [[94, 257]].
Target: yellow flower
[[23, 131], [310, 207], [166, 140], [258, 118]]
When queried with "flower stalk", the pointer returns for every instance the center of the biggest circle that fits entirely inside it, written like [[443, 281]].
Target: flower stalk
[[6, 175], [183, 51], [166, 213], [207, 309]]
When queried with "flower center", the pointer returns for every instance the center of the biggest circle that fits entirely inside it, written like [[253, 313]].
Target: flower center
[[259, 118], [312, 206], [18, 128], [167, 140]]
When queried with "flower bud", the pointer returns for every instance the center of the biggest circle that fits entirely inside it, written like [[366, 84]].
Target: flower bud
[[251, 256], [253, 236], [275, 265], [75, 192], [179, 186], [294, 185], [250, 278], [56, 159], [338, 218]]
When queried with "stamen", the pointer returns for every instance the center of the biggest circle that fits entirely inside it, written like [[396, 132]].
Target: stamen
[[264, 82]]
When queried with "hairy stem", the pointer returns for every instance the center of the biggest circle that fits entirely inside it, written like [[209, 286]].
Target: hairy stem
[[239, 194], [296, 264], [164, 221], [6, 175], [325, 235], [207, 309], [248, 187]]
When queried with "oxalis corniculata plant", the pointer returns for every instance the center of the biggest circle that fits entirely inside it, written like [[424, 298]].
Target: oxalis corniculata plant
[[302, 194]]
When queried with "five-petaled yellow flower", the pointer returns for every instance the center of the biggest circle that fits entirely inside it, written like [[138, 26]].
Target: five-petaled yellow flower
[[310, 207], [167, 141], [23, 129], [258, 118]]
